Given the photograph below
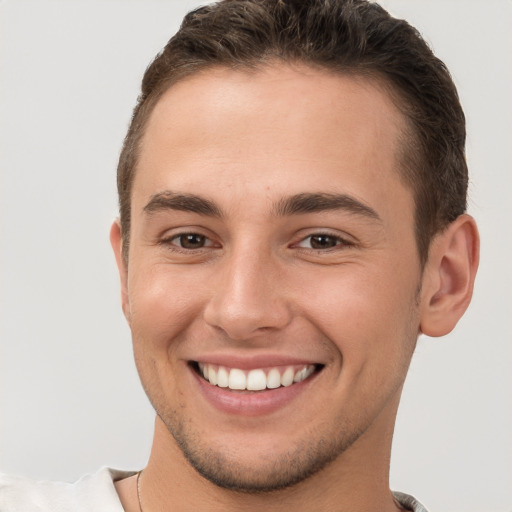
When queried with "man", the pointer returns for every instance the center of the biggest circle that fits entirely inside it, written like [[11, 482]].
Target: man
[[292, 216]]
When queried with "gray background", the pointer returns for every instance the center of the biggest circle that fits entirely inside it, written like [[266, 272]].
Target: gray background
[[70, 398]]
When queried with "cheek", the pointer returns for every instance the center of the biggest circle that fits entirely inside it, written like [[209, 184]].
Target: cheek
[[163, 303], [371, 320]]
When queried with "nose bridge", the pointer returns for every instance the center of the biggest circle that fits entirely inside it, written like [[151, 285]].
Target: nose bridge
[[248, 297]]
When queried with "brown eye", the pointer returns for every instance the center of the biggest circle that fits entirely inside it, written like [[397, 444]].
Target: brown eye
[[323, 241], [191, 241]]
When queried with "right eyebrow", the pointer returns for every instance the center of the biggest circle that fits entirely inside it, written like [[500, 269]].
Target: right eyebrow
[[183, 202]]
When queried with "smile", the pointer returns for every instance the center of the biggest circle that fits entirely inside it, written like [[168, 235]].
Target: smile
[[256, 379]]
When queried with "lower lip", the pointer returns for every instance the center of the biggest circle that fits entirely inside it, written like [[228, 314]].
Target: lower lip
[[251, 403]]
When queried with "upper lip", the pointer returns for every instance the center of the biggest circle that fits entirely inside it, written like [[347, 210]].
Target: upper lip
[[254, 361]]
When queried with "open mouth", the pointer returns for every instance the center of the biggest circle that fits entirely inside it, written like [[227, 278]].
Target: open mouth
[[257, 379]]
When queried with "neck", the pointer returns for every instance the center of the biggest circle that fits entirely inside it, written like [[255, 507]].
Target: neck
[[356, 481]]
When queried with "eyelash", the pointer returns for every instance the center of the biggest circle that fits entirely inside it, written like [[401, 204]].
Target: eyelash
[[338, 241], [170, 241]]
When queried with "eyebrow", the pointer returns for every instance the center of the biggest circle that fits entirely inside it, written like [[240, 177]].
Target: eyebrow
[[294, 205], [183, 202], [319, 202]]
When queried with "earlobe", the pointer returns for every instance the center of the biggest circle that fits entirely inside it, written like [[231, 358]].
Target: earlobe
[[449, 276], [116, 240]]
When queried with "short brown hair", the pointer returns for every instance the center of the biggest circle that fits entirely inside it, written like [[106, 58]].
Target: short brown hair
[[344, 36]]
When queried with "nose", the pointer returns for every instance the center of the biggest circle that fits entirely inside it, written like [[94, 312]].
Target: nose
[[248, 299]]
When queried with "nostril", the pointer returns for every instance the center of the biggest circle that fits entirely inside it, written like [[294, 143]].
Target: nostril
[[244, 307]]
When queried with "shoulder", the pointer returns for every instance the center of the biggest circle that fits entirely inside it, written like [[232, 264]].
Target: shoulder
[[409, 502], [94, 492]]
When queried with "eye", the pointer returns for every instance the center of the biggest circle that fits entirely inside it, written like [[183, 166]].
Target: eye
[[190, 241], [322, 241]]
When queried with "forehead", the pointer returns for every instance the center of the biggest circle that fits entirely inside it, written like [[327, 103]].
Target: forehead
[[303, 124]]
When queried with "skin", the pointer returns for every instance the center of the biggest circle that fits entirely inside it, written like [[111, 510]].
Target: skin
[[259, 287]]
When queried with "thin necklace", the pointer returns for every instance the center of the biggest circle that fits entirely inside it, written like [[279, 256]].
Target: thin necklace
[[138, 490], [142, 510]]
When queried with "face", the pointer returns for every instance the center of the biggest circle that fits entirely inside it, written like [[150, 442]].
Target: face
[[273, 274]]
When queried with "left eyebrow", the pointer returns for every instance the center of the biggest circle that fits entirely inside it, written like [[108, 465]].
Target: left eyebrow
[[311, 203]]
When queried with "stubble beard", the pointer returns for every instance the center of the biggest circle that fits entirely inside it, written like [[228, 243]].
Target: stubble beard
[[272, 472], [227, 469]]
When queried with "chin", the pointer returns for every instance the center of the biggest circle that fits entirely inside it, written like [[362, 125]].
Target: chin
[[260, 470]]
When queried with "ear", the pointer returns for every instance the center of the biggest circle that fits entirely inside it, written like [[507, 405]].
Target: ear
[[116, 240], [449, 276]]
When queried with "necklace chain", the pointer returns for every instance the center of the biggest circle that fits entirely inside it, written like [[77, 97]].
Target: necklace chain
[[138, 491], [142, 510]]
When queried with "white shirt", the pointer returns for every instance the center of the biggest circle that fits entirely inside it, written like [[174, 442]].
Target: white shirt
[[92, 493]]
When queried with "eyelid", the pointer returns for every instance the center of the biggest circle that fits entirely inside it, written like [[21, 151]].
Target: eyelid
[[170, 239], [342, 241]]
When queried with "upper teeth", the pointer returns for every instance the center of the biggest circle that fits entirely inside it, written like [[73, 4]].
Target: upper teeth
[[254, 380]]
